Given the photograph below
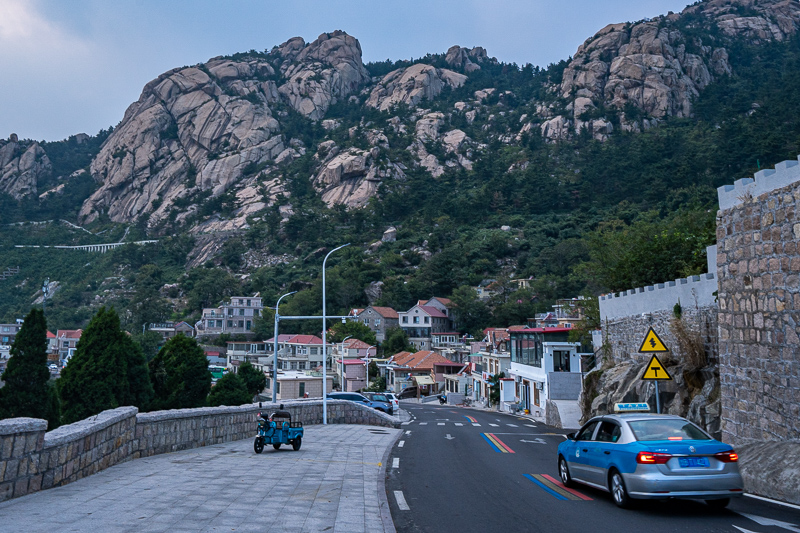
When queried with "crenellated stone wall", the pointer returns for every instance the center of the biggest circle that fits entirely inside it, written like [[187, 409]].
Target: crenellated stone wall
[[32, 459], [759, 306]]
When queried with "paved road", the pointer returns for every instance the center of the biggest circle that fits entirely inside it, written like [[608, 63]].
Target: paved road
[[465, 470], [331, 484]]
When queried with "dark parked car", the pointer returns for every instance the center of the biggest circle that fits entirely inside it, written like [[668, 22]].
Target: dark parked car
[[358, 397], [381, 397]]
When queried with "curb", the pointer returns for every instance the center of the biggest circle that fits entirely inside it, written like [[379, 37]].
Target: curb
[[386, 513]]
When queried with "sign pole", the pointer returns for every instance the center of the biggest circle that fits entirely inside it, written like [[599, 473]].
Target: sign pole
[[658, 402]]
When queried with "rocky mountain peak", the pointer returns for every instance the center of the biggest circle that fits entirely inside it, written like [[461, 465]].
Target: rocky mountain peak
[[22, 165]]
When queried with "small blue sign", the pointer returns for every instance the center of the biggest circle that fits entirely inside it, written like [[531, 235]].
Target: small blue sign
[[631, 407]]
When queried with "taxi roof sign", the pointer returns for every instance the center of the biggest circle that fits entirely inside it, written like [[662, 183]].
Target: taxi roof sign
[[655, 371], [631, 407], [652, 343]]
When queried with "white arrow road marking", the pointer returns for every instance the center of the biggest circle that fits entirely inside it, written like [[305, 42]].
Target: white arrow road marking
[[448, 437], [401, 444], [512, 425], [408, 432], [396, 462], [537, 441], [771, 522], [401, 500], [743, 530], [494, 425]]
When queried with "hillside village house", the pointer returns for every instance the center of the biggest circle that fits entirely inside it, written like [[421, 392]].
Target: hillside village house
[[424, 369], [293, 384], [378, 319], [167, 330], [67, 340], [8, 332], [486, 365], [543, 362], [424, 319], [233, 316], [352, 374], [356, 349]]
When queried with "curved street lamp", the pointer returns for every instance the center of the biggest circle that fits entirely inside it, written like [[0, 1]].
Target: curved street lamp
[[325, 340], [275, 355]]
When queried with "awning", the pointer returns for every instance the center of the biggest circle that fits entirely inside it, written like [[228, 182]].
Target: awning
[[424, 380]]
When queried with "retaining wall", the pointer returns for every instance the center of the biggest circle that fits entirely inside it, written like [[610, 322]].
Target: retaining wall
[[32, 459], [758, 230]]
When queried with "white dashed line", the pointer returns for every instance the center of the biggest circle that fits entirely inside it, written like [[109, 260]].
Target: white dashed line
[[423, 423], [512, 425], [440, 424], [493, 425], [459, 424], [401, 500], [530, 425], [405, 423], [476, 425], [408, 432], [396, 462], [401, 444]]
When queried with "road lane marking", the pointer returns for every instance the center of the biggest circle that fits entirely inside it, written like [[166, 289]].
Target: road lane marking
[[497, 444], [401, 444], [512, 425], [547, 489], [537, 441], [560, 485], [405, 423], [440, 424], [408, 432], [530, 425], [471, 418], [494, 425], [459, 424], [396, 462], [476, 425], [423, 423], [401, 501], [448, 437]]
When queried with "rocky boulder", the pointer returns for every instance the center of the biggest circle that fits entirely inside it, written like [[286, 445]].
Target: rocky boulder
[[352, 177], [22, 165], [320, 73], [466, 59], [411, 85]]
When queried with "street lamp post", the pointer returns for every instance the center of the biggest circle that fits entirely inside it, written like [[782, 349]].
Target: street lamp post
[[325, 340], [341, 355], [275, 355]]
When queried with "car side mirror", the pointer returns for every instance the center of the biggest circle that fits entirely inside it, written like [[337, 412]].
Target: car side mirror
[[571, 436]]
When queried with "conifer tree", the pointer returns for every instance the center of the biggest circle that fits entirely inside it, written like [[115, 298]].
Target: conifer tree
[[180, 375], [229, 390], [107, 371], [254, 379], [25, 393]]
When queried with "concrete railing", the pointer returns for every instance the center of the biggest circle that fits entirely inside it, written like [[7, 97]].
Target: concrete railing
[[32, 459]]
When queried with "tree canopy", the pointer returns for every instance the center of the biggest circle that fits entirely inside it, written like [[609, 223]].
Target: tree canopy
[[229, 390], [180, 375]]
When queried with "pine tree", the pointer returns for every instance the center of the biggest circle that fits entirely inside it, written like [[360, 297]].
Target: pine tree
[[107, 371], [229, 390], [180, 375], [254, 379], [25, 393]]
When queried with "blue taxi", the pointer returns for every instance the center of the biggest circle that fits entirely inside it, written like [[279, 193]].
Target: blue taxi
[[649, 456]]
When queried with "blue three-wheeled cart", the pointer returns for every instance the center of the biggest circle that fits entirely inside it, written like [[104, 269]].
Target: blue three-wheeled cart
[[277, 429]]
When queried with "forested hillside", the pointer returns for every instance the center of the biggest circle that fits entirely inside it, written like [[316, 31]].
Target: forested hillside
[[472, 177]]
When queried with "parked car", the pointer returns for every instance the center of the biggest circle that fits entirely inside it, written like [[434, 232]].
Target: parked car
[[408, 392], [648, 456], [393, 399], [358, 397], [381, 397]]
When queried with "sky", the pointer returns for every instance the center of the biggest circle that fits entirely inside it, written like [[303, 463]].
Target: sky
[[69, 66]]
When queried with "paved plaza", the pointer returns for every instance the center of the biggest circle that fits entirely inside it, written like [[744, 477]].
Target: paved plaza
[[334, 483]]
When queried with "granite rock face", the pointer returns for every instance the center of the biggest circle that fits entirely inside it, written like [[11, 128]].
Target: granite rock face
[[22, 165], [412, 85]]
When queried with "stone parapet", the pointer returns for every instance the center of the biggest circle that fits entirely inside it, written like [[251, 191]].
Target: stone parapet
[[763, 182], [31, 459], [694, 291]]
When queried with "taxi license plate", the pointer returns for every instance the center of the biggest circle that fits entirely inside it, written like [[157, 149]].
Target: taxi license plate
[[693, 462]]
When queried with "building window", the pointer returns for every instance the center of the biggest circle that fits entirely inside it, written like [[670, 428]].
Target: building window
[[241, 302], [241, 312], [302, 391], [268, 384], [377, 322], [405, 320], [248, 303], [416, 320], [294, 365], [301, 365], [247, 325], [314, 351], [277, 386], [427, 320], [366, 321], [230, 323]]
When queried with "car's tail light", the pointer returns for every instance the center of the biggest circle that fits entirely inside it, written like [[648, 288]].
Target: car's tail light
[[653, 458], [727, 457]]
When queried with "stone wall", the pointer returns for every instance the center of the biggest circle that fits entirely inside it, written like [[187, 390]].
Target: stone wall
[[31, 459], [759, 300]]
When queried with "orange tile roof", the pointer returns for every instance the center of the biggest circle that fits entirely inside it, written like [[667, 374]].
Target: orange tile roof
[[423, 360], [69, 333], [356, 344], [386, 312]]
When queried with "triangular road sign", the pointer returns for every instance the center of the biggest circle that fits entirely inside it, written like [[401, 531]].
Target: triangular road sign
[[655, 371], [652, 343]]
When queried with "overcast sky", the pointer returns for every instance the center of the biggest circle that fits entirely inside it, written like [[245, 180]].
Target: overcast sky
[[69, 66]]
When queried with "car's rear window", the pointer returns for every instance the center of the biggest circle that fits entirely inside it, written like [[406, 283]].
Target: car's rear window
[[667, 429], [379, 398]]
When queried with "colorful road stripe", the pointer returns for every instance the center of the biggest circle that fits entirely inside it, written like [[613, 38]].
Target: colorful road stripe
[[471, 418], [571, 491], [555, 488], [497, 444]]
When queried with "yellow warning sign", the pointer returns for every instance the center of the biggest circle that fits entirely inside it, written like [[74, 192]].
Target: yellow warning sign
[[655, 371], [652, 343]]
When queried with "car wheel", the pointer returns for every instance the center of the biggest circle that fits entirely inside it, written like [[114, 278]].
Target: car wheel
[[618, 490], [297, 443], [258, 445], [277, 446], [563, 472], [721, 503]]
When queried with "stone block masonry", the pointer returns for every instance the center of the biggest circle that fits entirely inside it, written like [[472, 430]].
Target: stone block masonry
[[758, 259], [32, 459]]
